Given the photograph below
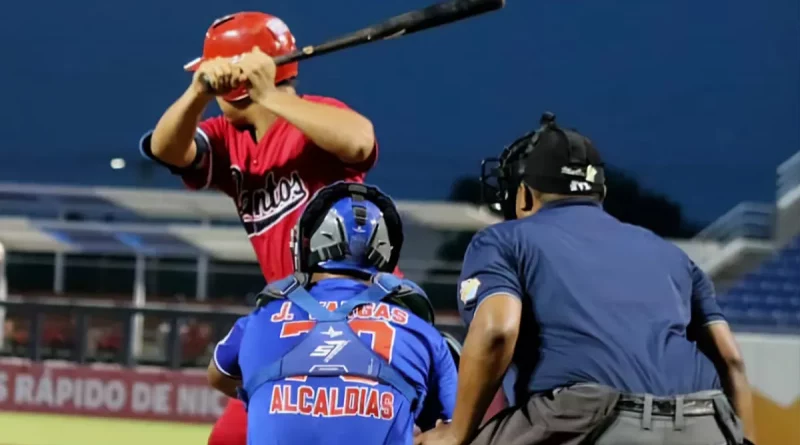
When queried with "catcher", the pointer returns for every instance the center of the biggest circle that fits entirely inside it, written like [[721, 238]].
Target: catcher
[[341, 348]]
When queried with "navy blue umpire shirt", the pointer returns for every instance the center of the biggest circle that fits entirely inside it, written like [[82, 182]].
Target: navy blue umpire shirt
[[603, 302]]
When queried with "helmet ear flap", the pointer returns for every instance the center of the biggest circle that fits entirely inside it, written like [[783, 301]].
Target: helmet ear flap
[[379, 251]]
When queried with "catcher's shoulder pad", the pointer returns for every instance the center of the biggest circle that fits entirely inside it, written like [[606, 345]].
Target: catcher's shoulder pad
[[408, 294], [408, 286], [387, 281], [280, 289], [453, 345]]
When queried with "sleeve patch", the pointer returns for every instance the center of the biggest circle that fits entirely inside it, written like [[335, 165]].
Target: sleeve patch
[[468, 290]]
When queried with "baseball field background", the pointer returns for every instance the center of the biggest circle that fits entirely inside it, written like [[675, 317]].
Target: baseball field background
[[54, 403], [54, 429]]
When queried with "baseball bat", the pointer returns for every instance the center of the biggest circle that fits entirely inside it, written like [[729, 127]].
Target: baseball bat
[[397, 26]]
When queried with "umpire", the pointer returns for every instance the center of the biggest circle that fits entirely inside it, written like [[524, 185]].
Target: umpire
[[605, 333]]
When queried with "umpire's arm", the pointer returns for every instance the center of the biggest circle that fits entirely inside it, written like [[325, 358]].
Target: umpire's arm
[[717, 341], [489, 301]]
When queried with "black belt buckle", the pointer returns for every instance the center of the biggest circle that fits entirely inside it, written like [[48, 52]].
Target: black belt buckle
[[663, 407]]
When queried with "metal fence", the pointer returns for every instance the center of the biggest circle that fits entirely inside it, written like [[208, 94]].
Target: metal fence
[[158, 335], [170, 333], [105, 332], [141, 279]]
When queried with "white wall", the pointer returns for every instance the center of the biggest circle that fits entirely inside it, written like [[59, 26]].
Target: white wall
[[773, 365]]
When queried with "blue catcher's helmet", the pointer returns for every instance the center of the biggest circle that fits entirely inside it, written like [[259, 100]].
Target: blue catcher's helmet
[[354, 229], [348, 227]]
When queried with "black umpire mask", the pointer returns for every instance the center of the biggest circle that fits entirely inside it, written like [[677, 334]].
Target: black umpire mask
[[550, 160]]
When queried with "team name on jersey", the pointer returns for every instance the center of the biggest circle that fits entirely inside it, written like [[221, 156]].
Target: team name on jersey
[[350, 401], [262, 207], [370, 311]]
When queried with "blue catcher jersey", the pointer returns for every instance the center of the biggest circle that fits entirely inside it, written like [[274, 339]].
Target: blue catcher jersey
[[329, 374]]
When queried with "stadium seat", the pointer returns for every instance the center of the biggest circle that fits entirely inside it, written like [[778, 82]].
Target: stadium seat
[[770, 296]]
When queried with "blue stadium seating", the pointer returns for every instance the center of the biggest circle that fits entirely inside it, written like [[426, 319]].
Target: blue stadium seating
[[768, 299], [59, 206]]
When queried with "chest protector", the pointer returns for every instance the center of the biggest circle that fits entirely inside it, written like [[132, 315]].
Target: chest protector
[[331, 348]]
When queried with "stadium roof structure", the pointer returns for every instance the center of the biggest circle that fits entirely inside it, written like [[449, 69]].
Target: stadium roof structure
[[165, 223]]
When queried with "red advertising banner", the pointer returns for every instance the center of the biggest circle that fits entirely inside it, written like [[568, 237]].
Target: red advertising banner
[[112, 391]]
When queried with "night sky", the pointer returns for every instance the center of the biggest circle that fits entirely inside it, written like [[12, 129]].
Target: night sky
[[697, 99]]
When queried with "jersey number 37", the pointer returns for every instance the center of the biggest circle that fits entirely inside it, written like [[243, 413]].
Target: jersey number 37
[[380, 333]]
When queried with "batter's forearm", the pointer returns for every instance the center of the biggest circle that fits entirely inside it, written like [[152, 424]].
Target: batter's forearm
[[344, 133], [173, 137]]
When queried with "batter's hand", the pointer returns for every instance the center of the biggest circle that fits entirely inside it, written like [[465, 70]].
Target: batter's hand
[[223, 76], [258, 71]]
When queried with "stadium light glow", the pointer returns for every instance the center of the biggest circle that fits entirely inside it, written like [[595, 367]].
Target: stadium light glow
[[117, 163]]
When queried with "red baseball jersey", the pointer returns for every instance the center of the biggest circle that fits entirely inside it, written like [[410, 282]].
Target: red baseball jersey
[[270, 181]]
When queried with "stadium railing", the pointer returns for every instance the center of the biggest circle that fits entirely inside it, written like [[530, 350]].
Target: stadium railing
[[788, 200], [73, 339], [144, 279], [174, 336], [788, 175], [750, 220], [129, 205], [149, 242]]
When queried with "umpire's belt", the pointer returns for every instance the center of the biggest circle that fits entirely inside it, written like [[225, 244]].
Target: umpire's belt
[[666, 407]]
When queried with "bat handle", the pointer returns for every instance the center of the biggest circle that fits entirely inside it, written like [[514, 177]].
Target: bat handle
[[279, 60], [286, 58]]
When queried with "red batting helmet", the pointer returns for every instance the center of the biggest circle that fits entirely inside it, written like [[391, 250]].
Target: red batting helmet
[[236, 34]]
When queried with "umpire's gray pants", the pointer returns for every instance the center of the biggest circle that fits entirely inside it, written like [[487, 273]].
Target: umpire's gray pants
[[594, 414]]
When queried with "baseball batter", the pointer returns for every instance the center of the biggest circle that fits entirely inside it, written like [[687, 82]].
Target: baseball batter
[[270, 150]]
